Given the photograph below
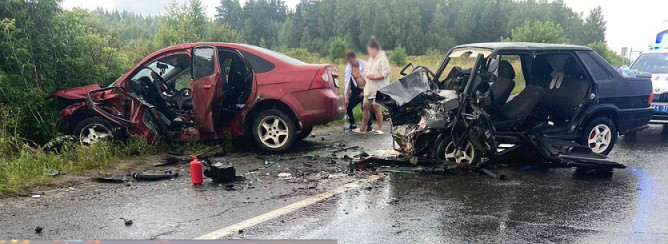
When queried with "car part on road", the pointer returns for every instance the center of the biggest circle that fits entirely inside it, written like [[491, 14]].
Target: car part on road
[[221, 172], [167, 175], [109, 180]]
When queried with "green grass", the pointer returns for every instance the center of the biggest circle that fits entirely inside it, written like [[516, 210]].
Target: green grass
[[32, 167]]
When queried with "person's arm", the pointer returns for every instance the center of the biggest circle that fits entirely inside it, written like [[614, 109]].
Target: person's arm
[[385, 70], [346, 92]]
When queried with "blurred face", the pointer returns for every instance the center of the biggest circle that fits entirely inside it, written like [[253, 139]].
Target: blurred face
[[372, 51], [353, 61]]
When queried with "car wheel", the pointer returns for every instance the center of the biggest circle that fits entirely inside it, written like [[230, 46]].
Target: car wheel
[[464, 158], [92, 130], [273, 131], [600, 135], [304, 133]]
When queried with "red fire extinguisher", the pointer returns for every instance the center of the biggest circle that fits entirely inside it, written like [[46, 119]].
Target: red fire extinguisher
[[196, 171]]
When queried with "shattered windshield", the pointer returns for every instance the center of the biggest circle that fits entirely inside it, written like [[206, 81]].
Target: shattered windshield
[[463, 58], [652, 62]]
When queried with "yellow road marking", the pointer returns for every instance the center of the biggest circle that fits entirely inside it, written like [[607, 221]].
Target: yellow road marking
[[232, 229]]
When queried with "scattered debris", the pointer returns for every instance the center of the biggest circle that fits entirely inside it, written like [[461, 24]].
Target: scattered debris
[[220, 172], [36, 196], [230, 188], [108, 180], [345, 149], [38, 229], [127, 222], [167, 175], [284, 175], [52, 172], [268, 163], [171, 160]]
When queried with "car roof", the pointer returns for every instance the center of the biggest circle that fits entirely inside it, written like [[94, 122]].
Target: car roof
[[525, 46]]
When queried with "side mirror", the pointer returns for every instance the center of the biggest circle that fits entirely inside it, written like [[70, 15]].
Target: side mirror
[[647, 75], [403, 71]]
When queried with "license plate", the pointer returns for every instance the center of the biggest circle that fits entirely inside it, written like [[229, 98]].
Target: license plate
[[661, 108]]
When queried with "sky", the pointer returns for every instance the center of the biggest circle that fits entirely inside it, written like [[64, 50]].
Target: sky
[[630, 23]]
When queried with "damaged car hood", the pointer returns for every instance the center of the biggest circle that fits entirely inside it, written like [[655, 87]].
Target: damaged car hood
[[76, 93]]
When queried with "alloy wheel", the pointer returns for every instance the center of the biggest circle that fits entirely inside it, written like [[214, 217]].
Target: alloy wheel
[[93, 133], [273, 131], [463, 156], [599, 138]]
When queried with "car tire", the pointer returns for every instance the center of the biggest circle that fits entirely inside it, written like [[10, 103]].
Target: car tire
[[273, 131], [445, 150], [91, 130], [304, 133], [600, 135]]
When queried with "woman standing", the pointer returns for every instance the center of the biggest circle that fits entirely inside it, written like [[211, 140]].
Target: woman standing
[[377, 75]]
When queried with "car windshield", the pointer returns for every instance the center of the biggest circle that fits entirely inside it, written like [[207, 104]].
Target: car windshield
[[277, 55], [463, 58], [652, 63]]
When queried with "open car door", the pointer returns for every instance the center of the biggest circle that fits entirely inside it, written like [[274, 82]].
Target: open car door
[[205, 74]]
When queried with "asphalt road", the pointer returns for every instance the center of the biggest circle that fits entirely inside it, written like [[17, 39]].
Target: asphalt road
[[530, 206]]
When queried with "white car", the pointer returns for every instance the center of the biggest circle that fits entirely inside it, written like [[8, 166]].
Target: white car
[[655, 62]]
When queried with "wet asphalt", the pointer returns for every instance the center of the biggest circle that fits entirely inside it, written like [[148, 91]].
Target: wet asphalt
[[531, 206]]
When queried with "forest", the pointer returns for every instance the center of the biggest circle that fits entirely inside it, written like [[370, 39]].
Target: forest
[[44, 48]]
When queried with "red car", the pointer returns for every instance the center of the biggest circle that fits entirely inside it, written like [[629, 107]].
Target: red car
[[209, 91]]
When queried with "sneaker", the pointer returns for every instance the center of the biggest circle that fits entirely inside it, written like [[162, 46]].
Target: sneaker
[[352, 127], [369, 129]]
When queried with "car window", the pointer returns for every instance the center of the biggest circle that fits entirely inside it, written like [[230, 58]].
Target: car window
[[259, 64], [597, 71], [183, 81], [652, 62], [516, 62], [203, 62], [277, 55]]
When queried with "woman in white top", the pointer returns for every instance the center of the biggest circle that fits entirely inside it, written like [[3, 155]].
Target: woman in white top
[[377, 75]]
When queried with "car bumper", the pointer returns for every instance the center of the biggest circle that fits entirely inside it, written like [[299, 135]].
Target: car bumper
[[634, 119], [659, 117]]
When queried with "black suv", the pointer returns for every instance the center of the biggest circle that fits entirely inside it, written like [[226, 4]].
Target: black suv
[[582, 98]]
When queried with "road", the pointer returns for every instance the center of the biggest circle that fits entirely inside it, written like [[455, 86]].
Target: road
[[530, 206]]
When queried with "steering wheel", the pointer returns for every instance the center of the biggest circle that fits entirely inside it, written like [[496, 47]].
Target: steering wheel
[[163, 90]]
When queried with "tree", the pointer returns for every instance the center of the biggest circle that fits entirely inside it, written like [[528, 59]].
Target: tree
[[594, 27], [543, 32], [337, 47], [398, 56], [230, 12], [611, 56]]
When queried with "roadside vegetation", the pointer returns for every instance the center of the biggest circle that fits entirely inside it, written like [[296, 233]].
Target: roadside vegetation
[[44, 48]]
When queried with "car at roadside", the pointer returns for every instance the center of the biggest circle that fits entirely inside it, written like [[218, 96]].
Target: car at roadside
[[208, 91], [655, 63]]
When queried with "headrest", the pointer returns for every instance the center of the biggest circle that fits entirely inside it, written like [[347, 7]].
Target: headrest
[[506, 70], [540, 67], [572, 68]]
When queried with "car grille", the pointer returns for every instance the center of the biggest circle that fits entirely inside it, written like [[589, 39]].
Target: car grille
[[660, 97]]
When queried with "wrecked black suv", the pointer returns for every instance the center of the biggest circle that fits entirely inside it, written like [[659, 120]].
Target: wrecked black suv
[[489, 100]]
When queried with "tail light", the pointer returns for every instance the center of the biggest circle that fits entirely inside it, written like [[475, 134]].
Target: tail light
[[651, 97], [323, 79]]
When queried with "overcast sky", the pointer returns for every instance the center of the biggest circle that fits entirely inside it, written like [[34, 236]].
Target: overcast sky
[[630, 23]]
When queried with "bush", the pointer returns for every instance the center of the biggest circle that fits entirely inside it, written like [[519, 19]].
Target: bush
[[337, 47], [398, 56], [611, 56]]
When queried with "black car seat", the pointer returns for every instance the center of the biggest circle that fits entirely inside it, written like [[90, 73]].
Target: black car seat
[[566, 98], [513, 113], [503, 86]]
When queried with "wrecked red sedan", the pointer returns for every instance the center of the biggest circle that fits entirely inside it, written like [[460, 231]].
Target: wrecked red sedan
[[208, 91]]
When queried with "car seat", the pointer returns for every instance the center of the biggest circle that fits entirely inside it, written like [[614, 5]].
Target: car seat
[[513, 113], [503, 86], [564, 99]]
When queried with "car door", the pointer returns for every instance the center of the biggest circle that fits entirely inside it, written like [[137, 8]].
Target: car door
[[205, 74]]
